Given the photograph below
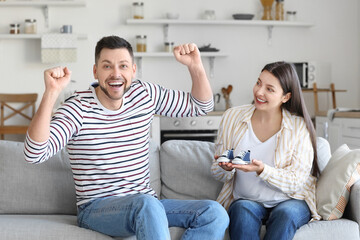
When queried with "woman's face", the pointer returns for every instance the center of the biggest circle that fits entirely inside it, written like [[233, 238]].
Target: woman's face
[[268, 94]]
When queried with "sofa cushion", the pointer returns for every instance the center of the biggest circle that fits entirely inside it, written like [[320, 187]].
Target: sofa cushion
[[323, 153], [325, 230], [186, 170], [46, 188], [333, 186], [154, 165], [45, 227]]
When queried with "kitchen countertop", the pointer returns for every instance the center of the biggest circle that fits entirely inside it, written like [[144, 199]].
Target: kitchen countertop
[[347, 114]]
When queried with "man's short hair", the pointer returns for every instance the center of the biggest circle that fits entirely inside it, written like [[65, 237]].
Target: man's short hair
[[112, 42]]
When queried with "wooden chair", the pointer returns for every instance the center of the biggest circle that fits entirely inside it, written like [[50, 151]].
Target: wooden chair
[[15, 104], [316, 101]]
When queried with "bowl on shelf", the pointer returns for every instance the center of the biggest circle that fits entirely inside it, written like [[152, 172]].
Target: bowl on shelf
[[171, 15], [243, 16]]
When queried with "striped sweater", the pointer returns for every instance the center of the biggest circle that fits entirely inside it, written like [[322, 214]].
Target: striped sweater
[[109, 150], [293, 157]]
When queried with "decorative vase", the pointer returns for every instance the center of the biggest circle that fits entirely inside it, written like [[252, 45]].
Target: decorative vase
[[267, 4]]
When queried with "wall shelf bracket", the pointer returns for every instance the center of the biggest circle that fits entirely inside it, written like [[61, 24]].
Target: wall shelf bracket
[[212, 65], [139, 67], [166, 32], [270, 30], [46, 15]]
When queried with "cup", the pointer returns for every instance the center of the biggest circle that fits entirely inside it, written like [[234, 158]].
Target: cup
[[66, 29]]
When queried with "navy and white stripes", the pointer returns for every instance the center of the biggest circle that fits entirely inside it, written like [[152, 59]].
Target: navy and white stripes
[[109, 150]]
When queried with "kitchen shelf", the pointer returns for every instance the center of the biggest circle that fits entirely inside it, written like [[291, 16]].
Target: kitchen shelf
[[32, 36], [44, 4], [220, 22], [210, 55], [167, 54], [41, 3], [262, 23]]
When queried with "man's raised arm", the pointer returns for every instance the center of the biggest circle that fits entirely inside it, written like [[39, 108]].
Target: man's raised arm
[[56, 80], [189, 55]]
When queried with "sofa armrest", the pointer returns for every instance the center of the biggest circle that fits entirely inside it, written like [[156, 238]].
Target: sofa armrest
[[353, 207]]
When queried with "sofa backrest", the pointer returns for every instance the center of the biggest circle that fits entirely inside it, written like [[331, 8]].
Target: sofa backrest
[[46, 188], [186, 170]]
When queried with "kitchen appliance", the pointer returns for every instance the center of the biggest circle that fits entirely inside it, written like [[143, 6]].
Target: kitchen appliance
[[311, 72], [202, 128]]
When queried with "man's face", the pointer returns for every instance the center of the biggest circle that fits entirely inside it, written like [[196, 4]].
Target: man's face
[[114, 71]]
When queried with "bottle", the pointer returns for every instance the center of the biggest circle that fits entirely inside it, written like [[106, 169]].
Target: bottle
[[30, 26], [138, 10], [141, 43], [279, 10]]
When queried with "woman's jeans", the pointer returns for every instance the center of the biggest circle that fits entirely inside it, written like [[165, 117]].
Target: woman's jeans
[[282, 221], [149, 218]]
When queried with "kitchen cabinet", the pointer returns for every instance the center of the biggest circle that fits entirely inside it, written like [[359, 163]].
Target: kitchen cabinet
[[340, 130]]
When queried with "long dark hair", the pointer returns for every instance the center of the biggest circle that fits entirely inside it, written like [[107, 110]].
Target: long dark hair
[[289, 81]]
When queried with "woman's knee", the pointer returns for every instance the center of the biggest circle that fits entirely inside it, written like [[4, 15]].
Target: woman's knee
[[295, 211]]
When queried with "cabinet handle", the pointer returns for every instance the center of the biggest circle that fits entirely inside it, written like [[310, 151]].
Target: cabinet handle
[[356, 128]]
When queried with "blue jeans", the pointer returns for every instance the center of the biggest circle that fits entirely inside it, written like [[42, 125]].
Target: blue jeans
[[282, 221], [149, 218]]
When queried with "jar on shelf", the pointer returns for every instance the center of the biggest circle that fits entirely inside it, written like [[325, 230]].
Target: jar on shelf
[[168, 46], [279, 10], [209, 15], [15, 28], [30, 26], [138, 10], [291, 16], [141, 43]]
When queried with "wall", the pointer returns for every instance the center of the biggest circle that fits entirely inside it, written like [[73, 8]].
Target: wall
[[334, 39]]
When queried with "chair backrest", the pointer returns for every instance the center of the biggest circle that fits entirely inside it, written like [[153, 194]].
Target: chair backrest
[[12, 105]]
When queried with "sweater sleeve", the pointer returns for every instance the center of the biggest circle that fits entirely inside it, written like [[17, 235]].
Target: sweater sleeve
[[221, 144], [176, 103], [64, 124]]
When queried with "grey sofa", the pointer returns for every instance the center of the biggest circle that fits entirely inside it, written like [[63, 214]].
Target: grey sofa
[[38, 201]]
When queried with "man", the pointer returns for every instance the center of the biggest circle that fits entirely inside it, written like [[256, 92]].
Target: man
[[106, 131]]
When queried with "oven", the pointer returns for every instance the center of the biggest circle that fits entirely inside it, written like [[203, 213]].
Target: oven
[[202, 128]]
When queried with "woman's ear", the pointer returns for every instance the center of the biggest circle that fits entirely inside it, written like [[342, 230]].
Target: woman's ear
[[286, 97]]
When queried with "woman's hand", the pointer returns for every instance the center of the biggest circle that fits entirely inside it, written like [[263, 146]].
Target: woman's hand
[[225, 166], [255, 166]]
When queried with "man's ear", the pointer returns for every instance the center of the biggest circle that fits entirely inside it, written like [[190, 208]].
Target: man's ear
[[95, 71], [134, 68]]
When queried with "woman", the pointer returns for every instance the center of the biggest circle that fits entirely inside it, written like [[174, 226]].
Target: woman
[[277, 188]]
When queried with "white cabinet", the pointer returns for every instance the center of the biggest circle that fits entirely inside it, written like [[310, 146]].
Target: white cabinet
[[339, 131]]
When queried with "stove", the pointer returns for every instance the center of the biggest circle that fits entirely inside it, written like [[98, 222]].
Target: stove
[[202, 128]]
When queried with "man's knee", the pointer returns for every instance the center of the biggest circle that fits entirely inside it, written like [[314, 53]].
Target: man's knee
[[214, 212]]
